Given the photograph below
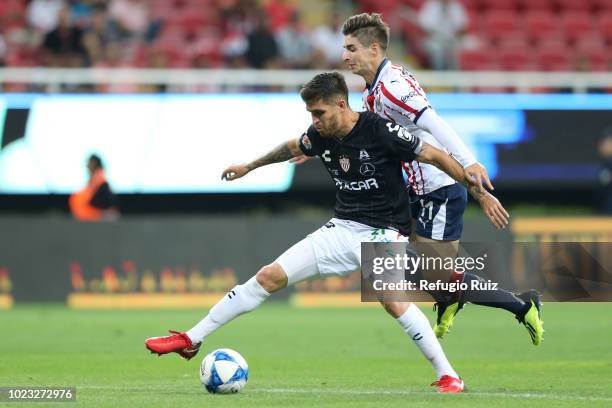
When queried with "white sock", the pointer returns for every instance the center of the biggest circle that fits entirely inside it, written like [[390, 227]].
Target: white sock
[[241, 299], [416, 325]]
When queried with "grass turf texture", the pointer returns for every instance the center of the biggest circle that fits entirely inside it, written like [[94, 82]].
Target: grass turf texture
[[297, 357]]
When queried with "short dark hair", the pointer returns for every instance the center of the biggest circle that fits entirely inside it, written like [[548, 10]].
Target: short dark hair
[[368, 28], [325, 86], [96, 160]]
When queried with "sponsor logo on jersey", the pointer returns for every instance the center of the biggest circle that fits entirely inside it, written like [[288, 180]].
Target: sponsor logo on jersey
[[306, 141], [363, 155], [345, 163], [325, 156], [409, 96], [367, 169], [368, 184]]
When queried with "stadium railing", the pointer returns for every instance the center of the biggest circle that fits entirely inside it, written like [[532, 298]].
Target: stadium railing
[[54, 78]]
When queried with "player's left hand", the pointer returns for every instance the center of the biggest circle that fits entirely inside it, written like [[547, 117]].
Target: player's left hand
[[234, 172], [493, 209], [478, 176]]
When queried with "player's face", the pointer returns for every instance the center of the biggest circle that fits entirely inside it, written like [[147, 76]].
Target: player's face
[[325, 117], [356, 56]]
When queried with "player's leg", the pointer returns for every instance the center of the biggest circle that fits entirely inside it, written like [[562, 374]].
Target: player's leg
[[296, 264], [415, 324], [440, 223]]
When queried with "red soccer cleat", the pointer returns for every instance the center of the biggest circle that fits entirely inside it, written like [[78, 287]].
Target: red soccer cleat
[[176, 343], [449, 385]]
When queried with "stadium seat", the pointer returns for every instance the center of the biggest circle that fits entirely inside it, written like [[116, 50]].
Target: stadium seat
[[592, 53], [604, 25], [516, 58], [474, 60], [577, 24], [536, 5], [540, 25], [500, 24], [500, 5], [553, 55], [575, 5]]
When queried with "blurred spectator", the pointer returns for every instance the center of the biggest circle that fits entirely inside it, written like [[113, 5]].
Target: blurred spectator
[[294, 43], [43, 15], [605, 175], [262, 50], [96, 202], [132, 17], [444, 22], [327, 40], [99, 33], [64, 44]]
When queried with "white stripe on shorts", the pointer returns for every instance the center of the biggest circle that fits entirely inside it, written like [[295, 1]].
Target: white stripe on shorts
[[439, 222]]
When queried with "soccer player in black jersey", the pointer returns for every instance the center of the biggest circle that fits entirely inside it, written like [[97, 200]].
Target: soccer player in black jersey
[[362, 153]]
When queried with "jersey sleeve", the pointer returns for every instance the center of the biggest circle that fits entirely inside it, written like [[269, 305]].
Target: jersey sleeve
[[310, 142], [403, 98], [403, 145]]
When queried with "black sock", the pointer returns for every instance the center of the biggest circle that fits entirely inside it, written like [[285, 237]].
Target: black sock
[[499, 298]]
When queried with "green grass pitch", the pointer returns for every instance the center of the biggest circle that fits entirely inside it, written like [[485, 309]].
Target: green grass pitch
[[312, 357]]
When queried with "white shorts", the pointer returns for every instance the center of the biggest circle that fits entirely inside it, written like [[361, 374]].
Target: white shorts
[[333, 249]]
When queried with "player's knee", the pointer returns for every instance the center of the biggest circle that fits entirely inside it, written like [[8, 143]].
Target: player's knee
[[272, 277], [396, 309]]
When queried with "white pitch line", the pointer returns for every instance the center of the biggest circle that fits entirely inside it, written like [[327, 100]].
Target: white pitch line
[[406, 392], [468, 393]]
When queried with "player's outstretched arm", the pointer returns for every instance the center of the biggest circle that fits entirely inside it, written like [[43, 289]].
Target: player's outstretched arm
[[491, 206], [281, 153], [447, 136]]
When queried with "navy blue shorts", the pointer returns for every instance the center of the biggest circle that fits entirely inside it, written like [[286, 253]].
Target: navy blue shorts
[[439, 214]]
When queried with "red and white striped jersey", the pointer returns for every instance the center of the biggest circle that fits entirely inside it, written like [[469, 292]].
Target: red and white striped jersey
[[396, 95]]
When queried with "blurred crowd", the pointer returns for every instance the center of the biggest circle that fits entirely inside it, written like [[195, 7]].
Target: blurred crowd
[[166, 34], [509, 35]]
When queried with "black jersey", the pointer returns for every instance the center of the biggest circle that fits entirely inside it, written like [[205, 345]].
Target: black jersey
[[365, 165]]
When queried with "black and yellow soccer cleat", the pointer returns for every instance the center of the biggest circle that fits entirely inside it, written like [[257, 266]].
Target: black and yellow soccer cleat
[[532, 316]]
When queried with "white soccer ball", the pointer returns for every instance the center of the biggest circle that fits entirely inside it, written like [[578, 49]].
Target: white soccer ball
[[224, 371]]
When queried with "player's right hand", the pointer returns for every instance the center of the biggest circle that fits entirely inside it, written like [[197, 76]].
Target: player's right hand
[[300, 159], [234, 172], [494, 210]]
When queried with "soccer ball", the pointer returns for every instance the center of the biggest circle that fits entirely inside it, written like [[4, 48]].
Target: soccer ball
[[224, 371]]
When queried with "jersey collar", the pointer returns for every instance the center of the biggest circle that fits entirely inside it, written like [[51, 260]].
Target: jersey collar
[[382, 67]]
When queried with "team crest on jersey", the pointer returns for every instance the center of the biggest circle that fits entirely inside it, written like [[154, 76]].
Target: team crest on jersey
[[363, 155], [306, 141], [345, 163], [378, 104]]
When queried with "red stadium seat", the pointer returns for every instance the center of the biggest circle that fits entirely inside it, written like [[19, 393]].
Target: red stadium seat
[[577, 24], [537, 5], [500, 24], [474, 60], [516, 58], [540, 25], [575, 5], [554, 56], [602, 5], [508, 5], [604, 25], [593, 59]]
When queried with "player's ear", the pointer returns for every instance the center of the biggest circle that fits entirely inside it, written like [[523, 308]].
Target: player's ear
[[375, 48]]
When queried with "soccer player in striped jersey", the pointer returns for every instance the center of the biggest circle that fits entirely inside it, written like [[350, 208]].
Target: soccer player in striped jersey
[[437, 201]]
